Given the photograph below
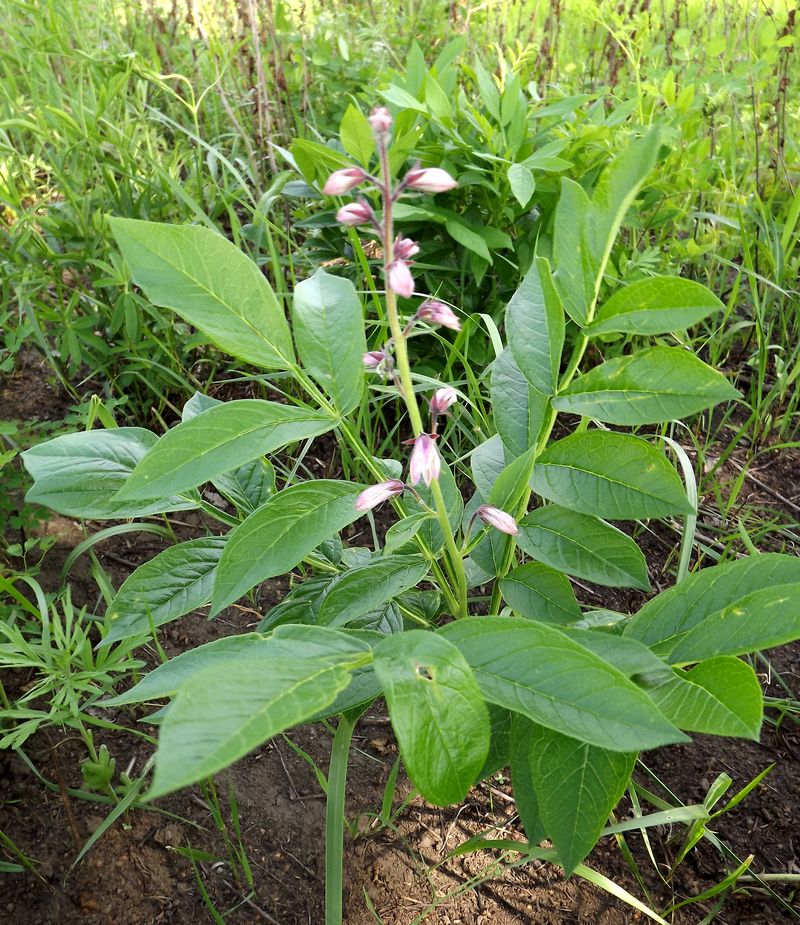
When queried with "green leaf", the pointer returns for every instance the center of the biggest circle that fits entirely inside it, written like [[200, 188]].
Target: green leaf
[[437, 713], [609, 475], [487, 461], [501, 723], [628, 656], [522, 732], [315, 642], [667, 617], [721, 696], [355, 134], [211, 284], [535, 327], [401, 533], [218, 440], [367, 587], [79, 475], [573, 279], [281, 533], [658, 305], [577, 786], [536, 670], [538, 592], [519, 409], [223, 712], [329, 334], [648, 387], [522, 183], [247, 486], [468, 238], [173, 583], [583, 546], [766, 618]]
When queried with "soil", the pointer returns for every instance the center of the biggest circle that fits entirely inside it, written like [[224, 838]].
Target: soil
[[141, 870]]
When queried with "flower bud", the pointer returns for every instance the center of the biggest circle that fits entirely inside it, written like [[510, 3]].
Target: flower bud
[[442, 399], [342, 181], [373, 359], [439, 313], [381, 120], [430, 180], [494, 517], [425, 462], [376, 494], [405, 248], [355, 213], [399, 278]]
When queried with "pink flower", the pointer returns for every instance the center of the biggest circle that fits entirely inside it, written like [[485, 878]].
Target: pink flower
[[376, 494], [439, 313], [342, 181], [355, 213], [442, 399], [399, 278], [430, 180], [494, 517], [405, 248], [373, 359], [425, 462], [381, 120]]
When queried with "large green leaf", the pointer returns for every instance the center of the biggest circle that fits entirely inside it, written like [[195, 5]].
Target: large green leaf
[[219, 440], [519, 409], [577, 786], [368, 587], [173, 583], [583, 546], [329, 334], [315, 642], [535, 327], [657, 305], [648, 387], [674, 612], [79, 475], [721, 696], [211, 284], [487, 461], [522, 733], [223, 712], [437, 712], [760, 620], [281, 533], [538, 592], [247, 486], [574, 274], [536, 670], [609, 475]]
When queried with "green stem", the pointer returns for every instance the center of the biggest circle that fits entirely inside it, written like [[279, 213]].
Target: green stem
[[454, 553], [334, 820]]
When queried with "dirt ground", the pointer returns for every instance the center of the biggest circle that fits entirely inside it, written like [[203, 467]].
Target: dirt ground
[[139, 872]]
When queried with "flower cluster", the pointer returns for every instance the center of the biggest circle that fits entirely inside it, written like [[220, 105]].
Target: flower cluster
[[391, 361]]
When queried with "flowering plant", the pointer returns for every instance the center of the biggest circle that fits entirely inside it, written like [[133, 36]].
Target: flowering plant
[[518, 675]]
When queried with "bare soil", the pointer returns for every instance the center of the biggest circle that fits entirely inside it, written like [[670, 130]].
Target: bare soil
[[400, 874]]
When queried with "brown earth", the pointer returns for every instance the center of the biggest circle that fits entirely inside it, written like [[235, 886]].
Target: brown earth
[[139, 873]]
